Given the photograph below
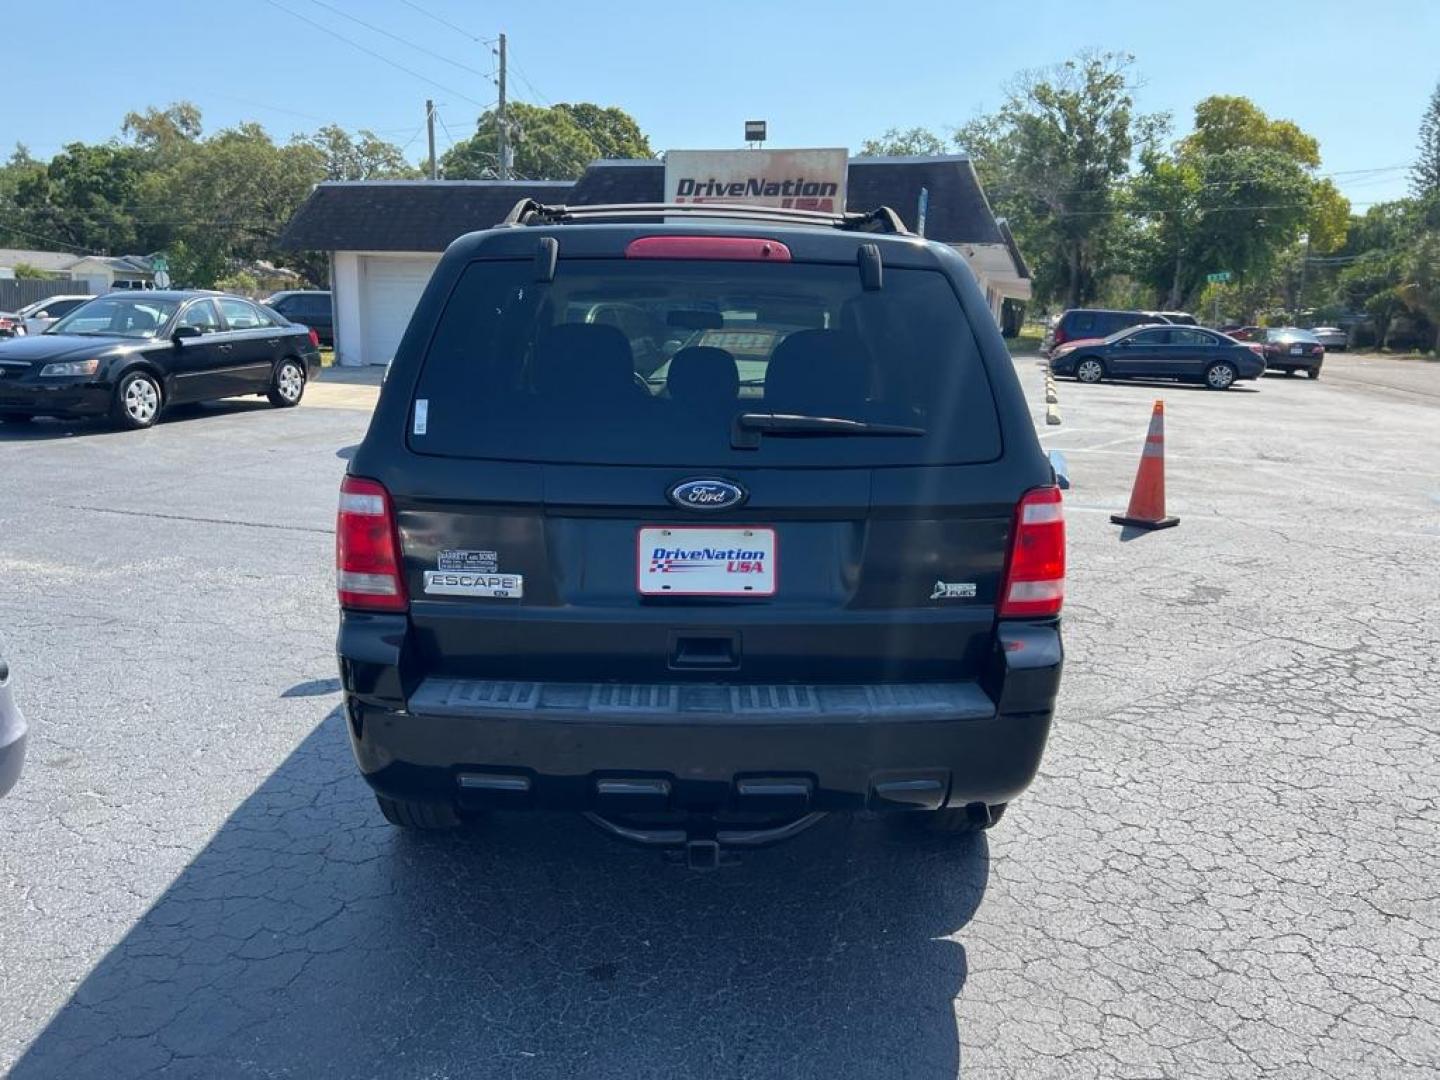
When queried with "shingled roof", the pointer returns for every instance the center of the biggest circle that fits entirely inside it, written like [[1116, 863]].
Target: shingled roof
[[426, 215], [957, 213], [607, 182], [406, 215]]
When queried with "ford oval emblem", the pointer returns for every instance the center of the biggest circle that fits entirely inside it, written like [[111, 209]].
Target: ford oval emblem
[[707, 495]]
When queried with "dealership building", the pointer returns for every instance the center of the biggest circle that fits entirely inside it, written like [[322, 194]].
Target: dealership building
[[384, 237]]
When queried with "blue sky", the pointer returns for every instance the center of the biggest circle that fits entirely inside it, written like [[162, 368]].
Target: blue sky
[[1356, 75]]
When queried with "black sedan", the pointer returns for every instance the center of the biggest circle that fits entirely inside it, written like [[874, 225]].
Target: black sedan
[[1290, 349], [128, 355], [1185, 353]]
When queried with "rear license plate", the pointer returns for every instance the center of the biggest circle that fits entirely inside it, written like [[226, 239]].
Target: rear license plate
[[682, 560], [1297, 350]]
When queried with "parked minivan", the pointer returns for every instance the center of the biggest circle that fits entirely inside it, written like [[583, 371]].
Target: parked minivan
[[1082, 323], [812, 562]]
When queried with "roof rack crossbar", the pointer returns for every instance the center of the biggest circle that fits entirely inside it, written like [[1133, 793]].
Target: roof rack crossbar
[[531, 212]]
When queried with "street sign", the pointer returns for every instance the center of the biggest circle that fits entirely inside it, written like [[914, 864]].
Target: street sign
[[161, 266], [1218, 279]]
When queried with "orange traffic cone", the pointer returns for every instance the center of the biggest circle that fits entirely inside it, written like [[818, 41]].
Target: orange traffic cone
[[1147, 499]]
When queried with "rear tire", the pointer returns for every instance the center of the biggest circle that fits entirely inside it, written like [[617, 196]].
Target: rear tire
[[1220, 376], [1314, 373], [1090, 370], [287, 385], [422, 816]]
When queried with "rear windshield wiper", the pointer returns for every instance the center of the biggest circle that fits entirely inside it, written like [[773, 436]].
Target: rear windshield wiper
[[745, 432]]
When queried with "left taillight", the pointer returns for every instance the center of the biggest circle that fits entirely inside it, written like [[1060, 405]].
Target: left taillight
[[314, 338], [367, 549], [1034, 583]]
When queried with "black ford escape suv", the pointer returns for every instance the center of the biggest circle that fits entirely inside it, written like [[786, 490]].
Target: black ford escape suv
[[810, 560]]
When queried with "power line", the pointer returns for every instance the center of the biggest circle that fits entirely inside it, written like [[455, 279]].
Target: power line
[[1002, 186], [396, 37], [526, 80], [371, 52], [445, 128], [1162, 210], [445, 22], [76, 248]]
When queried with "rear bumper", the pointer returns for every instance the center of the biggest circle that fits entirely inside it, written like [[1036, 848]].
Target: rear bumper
[[700, 746], [1281, 361]]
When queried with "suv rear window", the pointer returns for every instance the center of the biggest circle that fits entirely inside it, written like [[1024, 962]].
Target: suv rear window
[[646, 362]]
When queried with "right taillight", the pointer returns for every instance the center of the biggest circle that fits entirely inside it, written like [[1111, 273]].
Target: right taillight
[[1035, 572], [367, 550]]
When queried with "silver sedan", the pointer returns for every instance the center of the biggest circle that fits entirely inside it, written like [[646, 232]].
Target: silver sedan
[[1334, 338]]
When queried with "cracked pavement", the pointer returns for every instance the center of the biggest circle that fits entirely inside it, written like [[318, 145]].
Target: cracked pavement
[[1227, 868]]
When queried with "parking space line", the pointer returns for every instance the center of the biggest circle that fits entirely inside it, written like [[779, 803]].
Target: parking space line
[[1101, 446]]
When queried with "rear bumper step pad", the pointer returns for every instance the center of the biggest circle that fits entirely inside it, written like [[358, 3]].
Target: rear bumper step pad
[[701, 702]]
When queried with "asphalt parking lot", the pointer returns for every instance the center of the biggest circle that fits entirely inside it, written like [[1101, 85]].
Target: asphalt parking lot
[[1229, 866]]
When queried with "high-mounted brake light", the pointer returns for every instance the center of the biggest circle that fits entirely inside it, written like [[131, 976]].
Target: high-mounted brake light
[[721, 248], [1034, 584], [367, 549]]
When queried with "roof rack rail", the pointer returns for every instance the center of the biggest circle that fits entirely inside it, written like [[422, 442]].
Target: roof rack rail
[[879, 220]]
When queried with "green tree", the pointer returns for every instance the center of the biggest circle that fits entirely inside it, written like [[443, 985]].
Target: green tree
[[231, 197], [1420, 281], [912, 142], [1236, 194], [613, 131], [1372, 284], [17, 170], [83, 198], [365, 156], [164, 132], [1054, 158], [1224, 123], [1425, 173], [553, 143], [25, 270]]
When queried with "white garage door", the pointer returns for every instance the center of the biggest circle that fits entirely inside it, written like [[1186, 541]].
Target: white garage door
[[389, 290]]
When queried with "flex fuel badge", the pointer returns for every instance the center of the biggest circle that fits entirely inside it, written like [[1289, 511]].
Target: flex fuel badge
[[472, 573], [953, 590]]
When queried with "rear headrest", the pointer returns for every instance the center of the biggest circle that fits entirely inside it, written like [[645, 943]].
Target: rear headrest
[[818, 373], [703, 375], [584, 361]]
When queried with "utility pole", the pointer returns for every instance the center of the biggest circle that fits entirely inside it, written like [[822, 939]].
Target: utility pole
[[502, 122], [1300, 293], [430, 132]]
